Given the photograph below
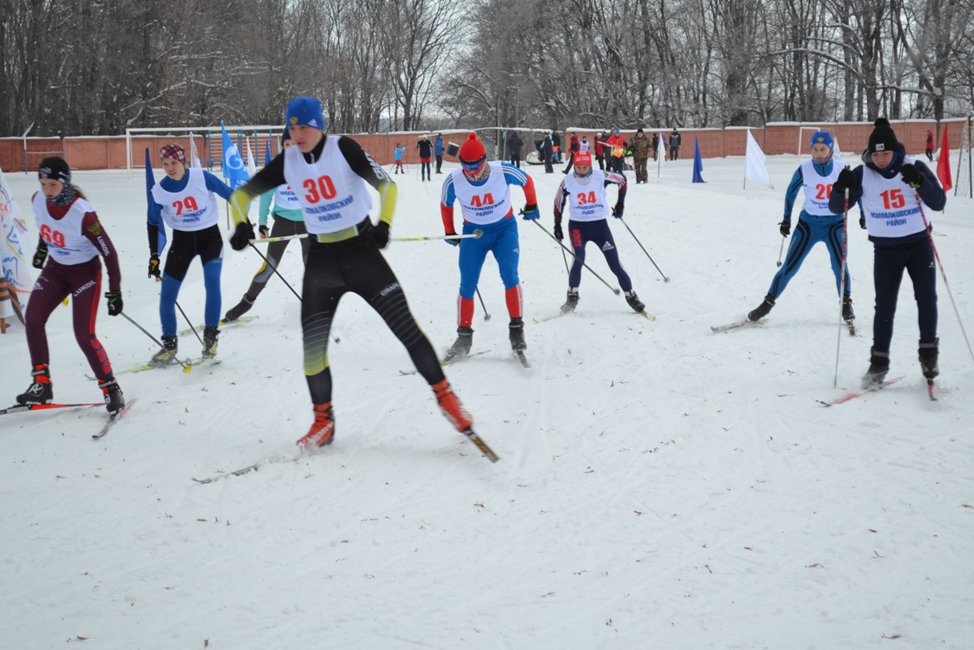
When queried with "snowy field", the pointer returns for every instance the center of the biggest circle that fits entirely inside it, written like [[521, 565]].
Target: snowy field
[[660, 486]]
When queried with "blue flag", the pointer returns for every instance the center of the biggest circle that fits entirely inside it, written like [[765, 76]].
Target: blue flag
[[234, 169], [697, 163], [150, 181], [267, 152]]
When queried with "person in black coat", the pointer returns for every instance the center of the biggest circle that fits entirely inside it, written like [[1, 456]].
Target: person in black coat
[[546, 151], [893, 188], [514, 144], [425, 156]]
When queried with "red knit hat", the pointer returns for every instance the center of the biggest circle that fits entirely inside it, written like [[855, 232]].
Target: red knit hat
[[583, 158], [472, 149], [173, 151]]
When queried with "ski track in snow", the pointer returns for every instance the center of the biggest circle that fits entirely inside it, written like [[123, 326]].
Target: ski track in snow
[[659, 485]]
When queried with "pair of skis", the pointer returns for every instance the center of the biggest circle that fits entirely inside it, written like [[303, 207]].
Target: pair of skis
[[932, 392], [469, 433], [112, 419], [545, 319]]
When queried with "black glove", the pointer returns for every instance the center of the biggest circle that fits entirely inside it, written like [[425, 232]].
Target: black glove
[[785, 228], [845, 181], [154, 266], [559, 235], [380, 235], [264, 231], [912, 176], [862, 221], [39, 256], [617, 210], [242, 235], [452, 239], [114, 302]]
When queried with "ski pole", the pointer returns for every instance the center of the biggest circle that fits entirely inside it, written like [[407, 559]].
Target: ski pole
[[564, 258], [186, 367], [270, 240], [286, 283], [273, 267], [845, 245], [486, 314], [665, 279], [781, 250], [564, 248], [475, 235], [943, 273], [190, 323]]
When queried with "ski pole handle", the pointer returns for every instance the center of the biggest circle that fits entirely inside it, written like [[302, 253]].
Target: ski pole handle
[[475, 235]]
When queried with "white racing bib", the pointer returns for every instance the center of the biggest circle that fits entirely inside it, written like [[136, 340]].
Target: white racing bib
[[65, 242], [191, 209], [332, 196], [487, 203]]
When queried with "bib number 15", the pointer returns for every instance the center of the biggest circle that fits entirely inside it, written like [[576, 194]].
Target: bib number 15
[[323, 188], [893, 199]]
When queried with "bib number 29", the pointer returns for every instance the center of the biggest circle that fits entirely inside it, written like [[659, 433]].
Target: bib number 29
[[319, 189]]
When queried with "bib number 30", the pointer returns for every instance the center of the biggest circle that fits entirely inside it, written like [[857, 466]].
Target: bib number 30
[[319, 189]]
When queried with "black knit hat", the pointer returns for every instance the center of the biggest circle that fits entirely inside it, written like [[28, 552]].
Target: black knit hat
[[56, 169], [882, 138]]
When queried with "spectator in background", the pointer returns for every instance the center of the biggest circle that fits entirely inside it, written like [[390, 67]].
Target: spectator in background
[[425, 156], [655, 145], [400, 150], [600, 150], [572, 150], [555, 146], [640, 154], [545, 149], [929, 145], [584, 144], [438, 152], [617, 151], [514, 144], [675, 139]]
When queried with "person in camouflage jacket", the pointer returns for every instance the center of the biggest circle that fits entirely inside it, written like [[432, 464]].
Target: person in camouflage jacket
[[641, 148]]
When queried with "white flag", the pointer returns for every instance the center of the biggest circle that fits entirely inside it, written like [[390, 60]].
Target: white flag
[[251, 165], [16, 282], [194, 160], [754, 163], [660, 149], [836, 152]]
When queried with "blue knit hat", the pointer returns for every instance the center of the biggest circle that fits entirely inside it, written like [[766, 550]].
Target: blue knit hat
[[305, 111], [822, 137]]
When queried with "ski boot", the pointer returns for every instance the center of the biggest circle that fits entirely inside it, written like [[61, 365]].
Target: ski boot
[[571, 302], [635, 302], [517, 334], [878, 368], [114, 400], [40, 390], [211, 336], [929, 354], [461, 347], [847, 314], [451, 407], [322, 430], [167, 355], [762, 310], [239, 309]]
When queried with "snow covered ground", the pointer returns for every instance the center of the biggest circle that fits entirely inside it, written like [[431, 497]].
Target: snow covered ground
[[660, 486]]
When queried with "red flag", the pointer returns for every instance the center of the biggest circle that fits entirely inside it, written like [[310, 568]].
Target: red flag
[[943, 165]]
